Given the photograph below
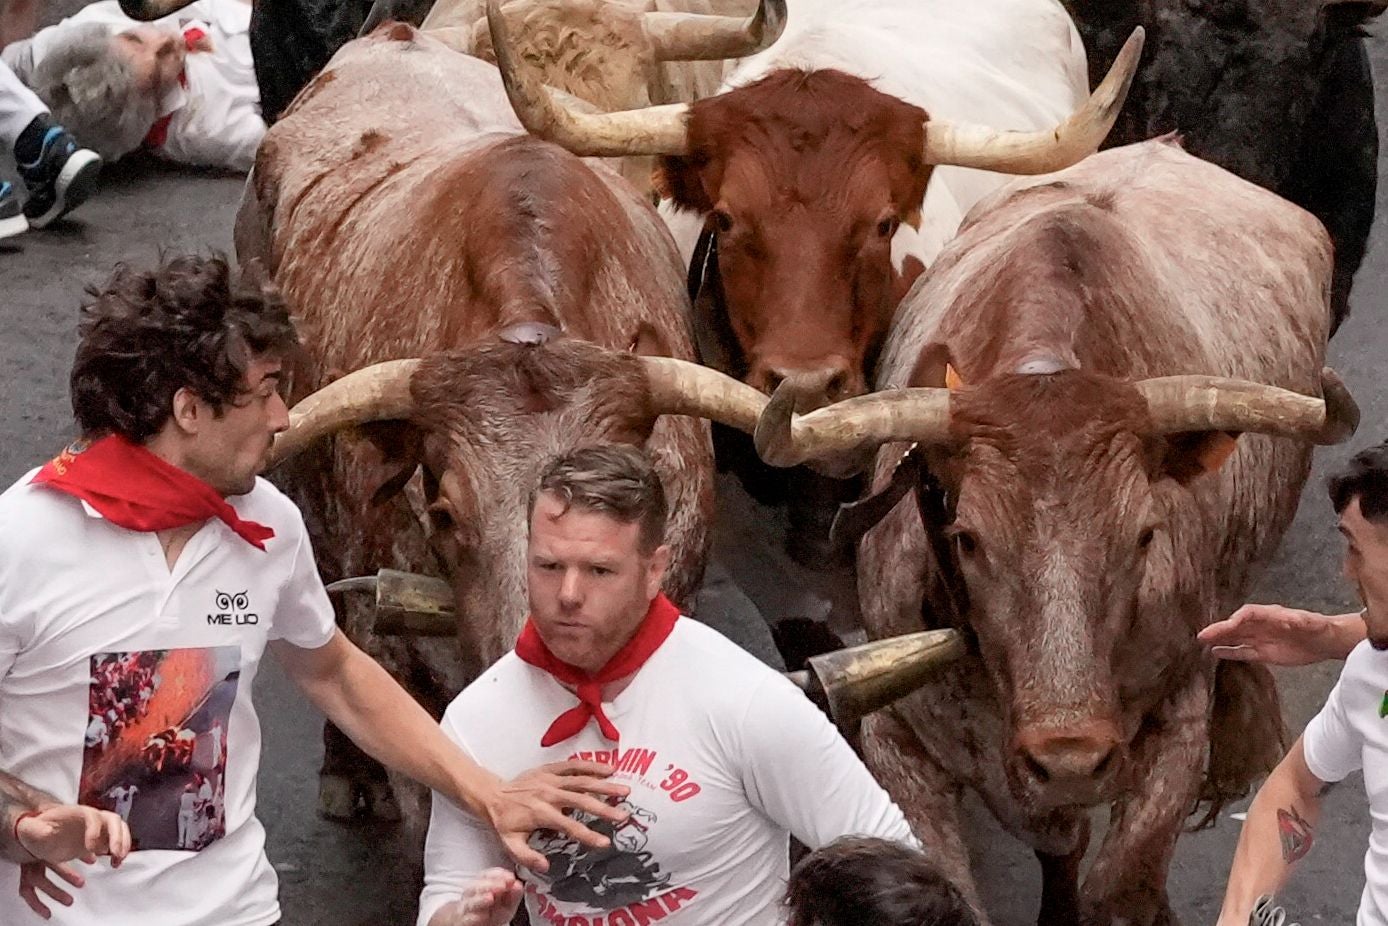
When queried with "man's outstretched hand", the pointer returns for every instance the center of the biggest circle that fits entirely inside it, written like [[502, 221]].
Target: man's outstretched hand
[[537, 800], [1279, 636]]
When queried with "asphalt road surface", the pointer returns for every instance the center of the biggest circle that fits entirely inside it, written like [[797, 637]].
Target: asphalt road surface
[[344, 875]]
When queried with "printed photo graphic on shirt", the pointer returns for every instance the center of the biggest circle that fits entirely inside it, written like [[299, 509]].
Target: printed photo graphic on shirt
[[156, 744]]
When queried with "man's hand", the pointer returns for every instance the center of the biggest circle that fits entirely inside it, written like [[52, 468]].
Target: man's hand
[[491, 900], [33, 880], [1279, 636], [538, 799], [65, 832]]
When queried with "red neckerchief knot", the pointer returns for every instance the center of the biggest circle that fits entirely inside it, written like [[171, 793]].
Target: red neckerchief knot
[[655, 628], [135, 489]]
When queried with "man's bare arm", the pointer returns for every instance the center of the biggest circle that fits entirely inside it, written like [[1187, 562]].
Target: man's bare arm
[[1278, 833]]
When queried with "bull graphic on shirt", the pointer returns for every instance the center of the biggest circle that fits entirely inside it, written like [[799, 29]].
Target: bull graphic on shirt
[[603, 879]]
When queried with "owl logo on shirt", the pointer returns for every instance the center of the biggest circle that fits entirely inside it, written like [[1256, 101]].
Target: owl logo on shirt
[[232, 608]]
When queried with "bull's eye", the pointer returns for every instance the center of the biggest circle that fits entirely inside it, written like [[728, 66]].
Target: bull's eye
[[1144, 540], [887, 227], [722, 221], [965, 544]]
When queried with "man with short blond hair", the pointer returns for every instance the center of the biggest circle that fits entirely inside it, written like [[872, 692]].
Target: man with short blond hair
[[724, 758]]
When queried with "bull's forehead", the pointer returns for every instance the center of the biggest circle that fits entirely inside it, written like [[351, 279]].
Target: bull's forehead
[[1054, 447]]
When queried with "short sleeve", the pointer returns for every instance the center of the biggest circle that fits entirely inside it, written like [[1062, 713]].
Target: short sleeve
[[457, 848], [304, 615], [1332, 746], [802, 773]]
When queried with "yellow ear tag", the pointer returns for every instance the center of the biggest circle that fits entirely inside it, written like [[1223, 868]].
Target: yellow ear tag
[[952, 379]]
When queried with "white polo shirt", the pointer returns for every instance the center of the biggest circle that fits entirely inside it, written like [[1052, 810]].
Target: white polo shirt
[[1351, 733], [724, 758], [90, 615]]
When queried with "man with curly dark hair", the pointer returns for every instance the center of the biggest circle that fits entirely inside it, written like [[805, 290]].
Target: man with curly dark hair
[[150, 550]]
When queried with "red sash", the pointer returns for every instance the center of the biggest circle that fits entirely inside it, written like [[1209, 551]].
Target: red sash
[[655, 628], [135, 489]]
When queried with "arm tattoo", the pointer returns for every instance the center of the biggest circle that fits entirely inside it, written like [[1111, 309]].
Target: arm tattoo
[[1296, 835]]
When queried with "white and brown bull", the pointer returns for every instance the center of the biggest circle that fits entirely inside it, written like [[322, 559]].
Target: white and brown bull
[[406, 214], [861, 117], [1112, 379]]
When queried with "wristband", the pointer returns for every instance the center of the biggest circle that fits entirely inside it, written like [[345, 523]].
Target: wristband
[[20, 819]]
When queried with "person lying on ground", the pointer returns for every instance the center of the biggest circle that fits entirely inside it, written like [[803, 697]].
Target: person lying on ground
[[182, 86]]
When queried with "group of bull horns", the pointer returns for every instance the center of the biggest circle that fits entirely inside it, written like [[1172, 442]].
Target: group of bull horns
[[660, 130], [1175, 404]]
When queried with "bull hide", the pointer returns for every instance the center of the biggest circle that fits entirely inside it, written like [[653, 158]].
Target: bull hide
[[1277, 91], [1092, 550], [404, 212]]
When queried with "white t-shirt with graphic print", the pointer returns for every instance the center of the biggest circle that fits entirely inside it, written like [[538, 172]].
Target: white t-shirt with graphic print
[[90, 614], [1351, 733], [724, 757]]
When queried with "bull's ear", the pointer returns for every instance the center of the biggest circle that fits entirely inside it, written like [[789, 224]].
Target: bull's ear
[[1187, 457], [680, 179], [935, 368]]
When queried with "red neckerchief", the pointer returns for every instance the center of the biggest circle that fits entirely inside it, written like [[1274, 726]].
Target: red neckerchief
[[131, 487], [159, 132], [655, 627]]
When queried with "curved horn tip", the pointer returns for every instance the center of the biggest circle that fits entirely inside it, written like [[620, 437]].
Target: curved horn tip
[[773, 436], [354, 584], [1342, 414]]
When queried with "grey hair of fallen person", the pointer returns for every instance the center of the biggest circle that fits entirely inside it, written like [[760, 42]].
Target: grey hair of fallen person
[[93, 91]]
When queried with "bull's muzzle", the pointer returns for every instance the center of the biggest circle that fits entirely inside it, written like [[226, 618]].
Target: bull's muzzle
[[1071, 764]]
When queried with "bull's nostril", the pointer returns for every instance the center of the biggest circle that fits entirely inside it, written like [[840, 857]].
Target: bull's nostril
[[1036, 769], [1106, 764], [837, 385]]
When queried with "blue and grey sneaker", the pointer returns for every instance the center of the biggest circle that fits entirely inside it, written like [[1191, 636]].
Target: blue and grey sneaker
[[1266, 914], [12, 220], [60, 179]]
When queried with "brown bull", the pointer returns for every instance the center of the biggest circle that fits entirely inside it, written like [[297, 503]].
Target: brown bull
[[405, 214], [1135, 346]]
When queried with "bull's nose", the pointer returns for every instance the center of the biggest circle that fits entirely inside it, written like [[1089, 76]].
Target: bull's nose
[[817, 385], [1072, 754]]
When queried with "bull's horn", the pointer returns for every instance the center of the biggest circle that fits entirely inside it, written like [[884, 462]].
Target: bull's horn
[[1341, 411], [380, 392], [1074, 139], [145, 10], [852, 683], [654, 130], [1209, 403], [679, 387], [786, 439], [695, 37]]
